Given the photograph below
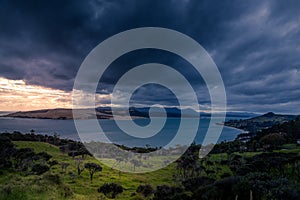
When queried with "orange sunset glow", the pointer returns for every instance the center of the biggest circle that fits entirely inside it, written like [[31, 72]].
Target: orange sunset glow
[[16, 95]]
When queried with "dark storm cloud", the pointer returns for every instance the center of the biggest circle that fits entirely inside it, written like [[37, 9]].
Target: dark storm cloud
[[255, 44]]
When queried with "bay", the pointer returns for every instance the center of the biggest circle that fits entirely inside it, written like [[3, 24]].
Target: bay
[[67, 129]]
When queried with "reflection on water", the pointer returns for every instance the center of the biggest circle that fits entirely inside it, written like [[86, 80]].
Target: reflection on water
[[66, 129]]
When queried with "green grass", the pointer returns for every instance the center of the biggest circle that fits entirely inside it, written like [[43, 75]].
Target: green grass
[[15, 185], [290, 148], [38, 187]]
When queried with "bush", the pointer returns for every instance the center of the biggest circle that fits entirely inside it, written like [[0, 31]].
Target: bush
[[43, 155], [111, 190], [165, 192], [272, 141], [39, 169], [225, 175], [5, 164], [52, 163], [146, 190], [193, 184], [207, 192]]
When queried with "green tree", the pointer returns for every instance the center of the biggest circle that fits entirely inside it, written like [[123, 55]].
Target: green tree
[[92, 168], [272, 141]]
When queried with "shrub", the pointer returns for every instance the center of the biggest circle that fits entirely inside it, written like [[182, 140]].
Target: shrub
[[225, 175], [5, 164], [43, 155], [6, 151], [146, 190], [193, 184], [111, 189], [165, 192], [52, 162], [24, 159], [39, 169]]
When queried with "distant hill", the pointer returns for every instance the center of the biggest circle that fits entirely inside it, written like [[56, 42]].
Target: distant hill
[[5, 112], [121, 113], [101, 112], [171, 112], [241, 114], [59, 113], [260, 122]]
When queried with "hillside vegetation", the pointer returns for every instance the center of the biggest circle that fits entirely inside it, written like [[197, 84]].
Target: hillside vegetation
[[260, 122], [47, 167], [59, 183]]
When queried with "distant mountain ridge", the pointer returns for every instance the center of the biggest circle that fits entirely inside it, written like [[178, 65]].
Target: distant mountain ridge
[[58, 113], [106, 113], [5, 112], [260, 122]]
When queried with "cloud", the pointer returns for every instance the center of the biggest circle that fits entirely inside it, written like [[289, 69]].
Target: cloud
[[17, 95], [255, 45]]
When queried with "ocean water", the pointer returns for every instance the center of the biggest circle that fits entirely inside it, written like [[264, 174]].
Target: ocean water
[[67, 129]]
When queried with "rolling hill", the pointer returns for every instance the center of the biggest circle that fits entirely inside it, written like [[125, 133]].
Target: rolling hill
[[260, 122]]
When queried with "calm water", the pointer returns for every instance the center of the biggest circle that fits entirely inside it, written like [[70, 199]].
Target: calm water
[[66, 129]]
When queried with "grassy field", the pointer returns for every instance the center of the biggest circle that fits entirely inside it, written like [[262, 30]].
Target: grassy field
[[42, 187], [60, 184]]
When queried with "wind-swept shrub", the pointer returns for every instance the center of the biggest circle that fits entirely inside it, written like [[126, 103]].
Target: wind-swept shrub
[[111, 190], [92, 167]]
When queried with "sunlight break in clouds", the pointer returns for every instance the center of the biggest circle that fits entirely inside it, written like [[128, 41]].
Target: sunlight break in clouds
[[16, 95]]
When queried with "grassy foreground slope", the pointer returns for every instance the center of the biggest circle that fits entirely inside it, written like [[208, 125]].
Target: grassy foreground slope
[[67, 187], [226, 173]]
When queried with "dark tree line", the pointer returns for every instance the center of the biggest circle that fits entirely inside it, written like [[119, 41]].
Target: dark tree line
[[22, 160]]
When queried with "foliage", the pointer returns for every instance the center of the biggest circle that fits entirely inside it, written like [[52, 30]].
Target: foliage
[[92, 168], [43, 155], [165, 192], [146, 190], [193, 184], [6, 150], [39, 169], [272, 141], [228, 173], [262, 186], [189, 164], [111, 189], [52, 163]]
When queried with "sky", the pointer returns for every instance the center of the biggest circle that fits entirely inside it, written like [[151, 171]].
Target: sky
[[255, 45]]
